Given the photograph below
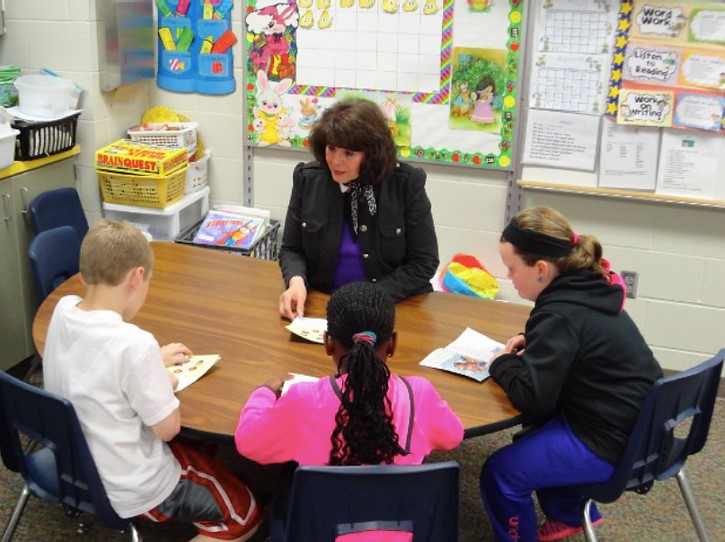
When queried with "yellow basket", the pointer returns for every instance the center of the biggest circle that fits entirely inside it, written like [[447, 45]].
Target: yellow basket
[[144, 190]]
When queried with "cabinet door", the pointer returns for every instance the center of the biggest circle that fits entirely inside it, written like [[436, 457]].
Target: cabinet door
[[17, 294], [13, 320]]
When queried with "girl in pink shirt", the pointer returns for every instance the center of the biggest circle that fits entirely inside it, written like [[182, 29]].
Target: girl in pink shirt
[[364, 415]]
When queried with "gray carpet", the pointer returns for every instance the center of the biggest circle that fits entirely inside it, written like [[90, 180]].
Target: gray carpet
[[659, 516]]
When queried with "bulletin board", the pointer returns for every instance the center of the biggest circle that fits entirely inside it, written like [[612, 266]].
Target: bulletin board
[[444, 72], [627, 98]]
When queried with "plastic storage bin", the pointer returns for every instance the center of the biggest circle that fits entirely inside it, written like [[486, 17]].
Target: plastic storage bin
[[40, 139], [163, 224], [144, 190], [7, 148], [44, 96], [197, 175], [174, 135], [265, 248]]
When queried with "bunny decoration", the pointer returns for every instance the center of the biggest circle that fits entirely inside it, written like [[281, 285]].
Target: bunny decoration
[[269, 109]]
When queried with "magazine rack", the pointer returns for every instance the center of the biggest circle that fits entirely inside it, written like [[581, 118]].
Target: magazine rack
[[265, 248]]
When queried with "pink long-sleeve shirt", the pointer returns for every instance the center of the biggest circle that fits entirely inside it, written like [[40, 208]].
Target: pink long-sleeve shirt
[[298, 425]]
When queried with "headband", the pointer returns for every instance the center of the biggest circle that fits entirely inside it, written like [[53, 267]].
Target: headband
[[530, 241], [365, 336]]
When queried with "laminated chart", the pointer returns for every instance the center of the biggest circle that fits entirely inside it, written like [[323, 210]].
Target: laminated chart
[[574, 41], [668, 69]]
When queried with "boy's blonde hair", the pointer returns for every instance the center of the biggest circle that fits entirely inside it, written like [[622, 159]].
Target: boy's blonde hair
[[110, 250]]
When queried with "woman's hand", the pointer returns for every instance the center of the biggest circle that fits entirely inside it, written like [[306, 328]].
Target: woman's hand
[[175, 353], [292, 301]]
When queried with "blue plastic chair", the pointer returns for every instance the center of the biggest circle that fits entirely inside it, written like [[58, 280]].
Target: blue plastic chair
[[672, 425], [54, 256], [328, 502], [62, 470], [55, 208]]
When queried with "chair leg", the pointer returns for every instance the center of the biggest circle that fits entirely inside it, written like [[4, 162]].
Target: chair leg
[[15, 516], [687, 494], [135, 536], [587, 523], [35, 364]]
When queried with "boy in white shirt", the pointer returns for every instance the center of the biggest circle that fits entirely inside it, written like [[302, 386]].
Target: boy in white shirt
[[114, 374]]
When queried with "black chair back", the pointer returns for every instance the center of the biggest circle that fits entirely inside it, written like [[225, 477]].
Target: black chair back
[[672, 425], [327, 502], [55, 208], [54, 256], [60, 467]]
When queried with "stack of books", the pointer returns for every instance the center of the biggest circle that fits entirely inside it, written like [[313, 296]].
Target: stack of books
[[233, 226]]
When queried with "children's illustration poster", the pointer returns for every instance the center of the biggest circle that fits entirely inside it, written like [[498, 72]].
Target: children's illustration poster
[[474, 104], [469, 355], [444, 72], [668, 68], [573, 49]]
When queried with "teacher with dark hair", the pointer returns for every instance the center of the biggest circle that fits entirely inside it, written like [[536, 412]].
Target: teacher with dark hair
[[356, 213]]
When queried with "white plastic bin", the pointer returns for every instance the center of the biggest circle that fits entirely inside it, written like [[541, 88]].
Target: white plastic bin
[[44, 96], [197, 175], [162, 224], [7, 148]]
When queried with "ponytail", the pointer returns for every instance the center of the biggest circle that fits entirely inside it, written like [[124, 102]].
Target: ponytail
[[361, 316]]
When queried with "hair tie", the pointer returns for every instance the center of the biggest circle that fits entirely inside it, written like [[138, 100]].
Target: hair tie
[[365, 336], [530, 241], [575, 239]]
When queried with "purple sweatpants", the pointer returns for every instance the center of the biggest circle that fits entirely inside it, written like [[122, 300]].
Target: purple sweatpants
[[549, 460]]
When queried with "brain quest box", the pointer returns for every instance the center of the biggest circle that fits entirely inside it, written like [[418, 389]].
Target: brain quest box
[[128, 156]]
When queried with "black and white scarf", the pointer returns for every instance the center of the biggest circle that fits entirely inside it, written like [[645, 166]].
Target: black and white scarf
[[359, 190]]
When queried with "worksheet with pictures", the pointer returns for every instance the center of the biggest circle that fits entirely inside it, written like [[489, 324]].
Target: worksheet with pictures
[[574, 40]]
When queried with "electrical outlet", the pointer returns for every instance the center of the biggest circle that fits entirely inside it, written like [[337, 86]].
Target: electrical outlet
[[630, 282]]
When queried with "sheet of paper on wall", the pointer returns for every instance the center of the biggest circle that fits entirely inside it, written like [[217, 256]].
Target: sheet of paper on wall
[[570, 67], [192, 370], [296, 379], [311, 329], [561, 140], [469, 355], [689, 164], [628, 156]]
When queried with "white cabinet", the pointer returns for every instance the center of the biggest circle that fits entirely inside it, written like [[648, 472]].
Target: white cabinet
[[17, 296]]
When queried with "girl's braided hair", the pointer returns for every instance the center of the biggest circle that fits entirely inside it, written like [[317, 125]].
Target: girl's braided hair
[[360, 316]]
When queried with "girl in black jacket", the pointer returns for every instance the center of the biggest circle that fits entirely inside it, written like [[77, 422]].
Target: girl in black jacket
[[581, 370]]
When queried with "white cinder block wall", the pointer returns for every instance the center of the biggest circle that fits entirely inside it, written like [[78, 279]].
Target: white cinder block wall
[[61, 35], [679, 251]]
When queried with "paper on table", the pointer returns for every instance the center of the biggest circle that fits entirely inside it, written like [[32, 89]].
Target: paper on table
[[192, 370], [296, 378], [311, 329], [469, 355]]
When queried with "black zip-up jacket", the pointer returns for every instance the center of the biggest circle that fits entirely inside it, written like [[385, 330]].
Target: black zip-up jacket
[[584, 357], [398, 243]]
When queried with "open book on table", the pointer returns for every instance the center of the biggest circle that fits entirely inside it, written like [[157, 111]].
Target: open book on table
[[192, 370], [297, 378], [469, 355]]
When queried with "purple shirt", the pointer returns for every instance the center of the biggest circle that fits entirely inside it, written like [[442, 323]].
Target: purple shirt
[[349, 264]]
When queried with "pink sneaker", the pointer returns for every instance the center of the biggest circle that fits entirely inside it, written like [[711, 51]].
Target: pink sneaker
[[552, 529]]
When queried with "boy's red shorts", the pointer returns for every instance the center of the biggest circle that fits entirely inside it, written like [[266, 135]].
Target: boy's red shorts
[[209, 496]]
